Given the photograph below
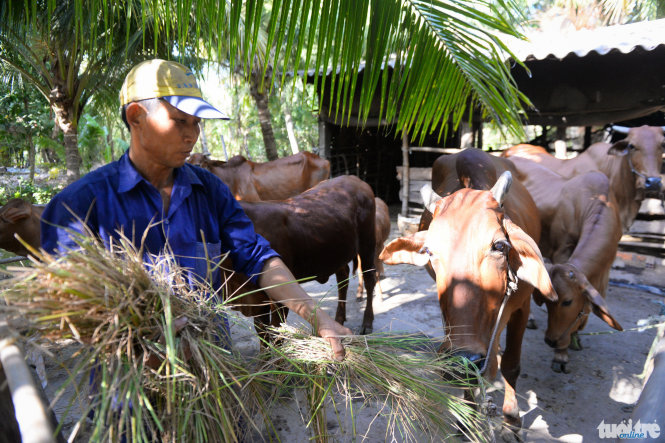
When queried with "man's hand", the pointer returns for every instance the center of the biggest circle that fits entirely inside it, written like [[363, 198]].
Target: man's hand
[[281, 286], [153, 361], [331, 331]]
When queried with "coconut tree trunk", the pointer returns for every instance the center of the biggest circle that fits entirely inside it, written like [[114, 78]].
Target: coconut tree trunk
[[64, 118], [288, 119], [265, 119], [31, 145]]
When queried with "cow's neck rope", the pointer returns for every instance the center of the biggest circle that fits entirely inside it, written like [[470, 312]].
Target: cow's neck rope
[[511, 287], [632, 168]]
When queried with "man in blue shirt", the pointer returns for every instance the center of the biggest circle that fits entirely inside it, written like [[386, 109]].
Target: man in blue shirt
[[183, 208]]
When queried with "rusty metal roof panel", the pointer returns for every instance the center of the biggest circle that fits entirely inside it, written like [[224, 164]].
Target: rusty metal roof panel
[[645, 35]]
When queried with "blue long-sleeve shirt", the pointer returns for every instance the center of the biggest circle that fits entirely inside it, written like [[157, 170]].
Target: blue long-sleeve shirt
[[203, 219]]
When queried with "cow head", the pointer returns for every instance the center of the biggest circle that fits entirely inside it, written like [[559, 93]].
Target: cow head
[[577, 298], [19, 217], [197, 159], [478, 256], [643, 148]]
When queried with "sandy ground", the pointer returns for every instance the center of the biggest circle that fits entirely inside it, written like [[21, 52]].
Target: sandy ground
[[605, 379]]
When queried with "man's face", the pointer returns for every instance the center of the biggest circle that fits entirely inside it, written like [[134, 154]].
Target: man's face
[[168, 135]]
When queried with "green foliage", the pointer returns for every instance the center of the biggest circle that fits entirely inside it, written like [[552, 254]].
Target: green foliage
[[232, 96], [29, 192], [23, 113], [448, 54], [92, 142]]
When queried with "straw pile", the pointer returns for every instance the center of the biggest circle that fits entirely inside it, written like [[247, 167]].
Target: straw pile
[[162, 370], [401, 372], [126, 313]]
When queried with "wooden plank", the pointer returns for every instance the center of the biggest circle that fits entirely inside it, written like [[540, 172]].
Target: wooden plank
[[651, 227], [439, 150], [642, 243], [652, 206], [415, 173]]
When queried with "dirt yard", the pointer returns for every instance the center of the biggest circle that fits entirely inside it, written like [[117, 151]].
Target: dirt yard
[[604, 383]]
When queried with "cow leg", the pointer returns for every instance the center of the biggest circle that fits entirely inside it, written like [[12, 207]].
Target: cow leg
[[510, 369], [342, 276], [377, 287], [361, 282], [368, 318], [464, 432]]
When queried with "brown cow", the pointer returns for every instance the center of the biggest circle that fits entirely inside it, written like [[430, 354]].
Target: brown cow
[[19, 217], [382, 223], [486, 268], [275, 180], [317, 233], [632, 165], [581, 233]]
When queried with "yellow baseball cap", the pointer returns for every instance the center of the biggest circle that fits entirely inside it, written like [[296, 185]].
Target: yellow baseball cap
[[170, 81]]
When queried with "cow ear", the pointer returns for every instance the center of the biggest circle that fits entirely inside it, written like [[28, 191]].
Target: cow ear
[[599, 306], [407, 250], [13, 215], [620, 148], [525, 259]]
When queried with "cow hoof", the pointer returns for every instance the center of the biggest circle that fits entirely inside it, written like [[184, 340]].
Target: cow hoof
[[510, 435], [575, 342], [340, 319], [560, 367], [463, 431], [531, 324], [366, 330]]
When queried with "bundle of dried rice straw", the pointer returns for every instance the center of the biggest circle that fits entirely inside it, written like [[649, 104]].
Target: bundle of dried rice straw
[[161, 368], [125, 313], [401, 372]]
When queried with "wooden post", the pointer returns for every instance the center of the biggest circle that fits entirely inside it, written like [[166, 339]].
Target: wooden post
[[324, 139], [405, 174], [31, 412], [560, 143]]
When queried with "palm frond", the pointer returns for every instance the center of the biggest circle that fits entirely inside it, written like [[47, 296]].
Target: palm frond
[[447, 55]]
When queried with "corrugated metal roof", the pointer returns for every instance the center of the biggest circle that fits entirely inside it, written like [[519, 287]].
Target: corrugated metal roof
[[624, 38]]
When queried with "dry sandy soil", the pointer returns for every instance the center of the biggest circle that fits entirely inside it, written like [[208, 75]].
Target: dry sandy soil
[[605, 379]]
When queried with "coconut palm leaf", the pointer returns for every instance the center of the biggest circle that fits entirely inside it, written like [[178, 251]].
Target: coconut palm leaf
[[446, 56]]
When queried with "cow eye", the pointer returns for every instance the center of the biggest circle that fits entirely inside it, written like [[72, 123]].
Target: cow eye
[[631, 147], [567, 303], [500, 246], [571, 275]]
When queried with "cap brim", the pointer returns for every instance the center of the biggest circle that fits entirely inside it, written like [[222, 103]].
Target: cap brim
[[195, 106]]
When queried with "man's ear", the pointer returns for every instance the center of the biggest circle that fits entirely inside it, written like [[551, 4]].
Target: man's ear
[[134, 113]]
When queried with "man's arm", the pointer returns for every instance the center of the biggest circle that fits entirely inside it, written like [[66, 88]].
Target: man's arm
[[295, 298]]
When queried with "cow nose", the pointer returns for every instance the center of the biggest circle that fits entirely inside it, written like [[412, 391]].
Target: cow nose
[[652, 183], [473, 359], [550, 342]]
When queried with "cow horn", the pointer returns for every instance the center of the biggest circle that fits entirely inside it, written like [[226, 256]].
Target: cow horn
[[502, 186], [430, 198], [620, 129]]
